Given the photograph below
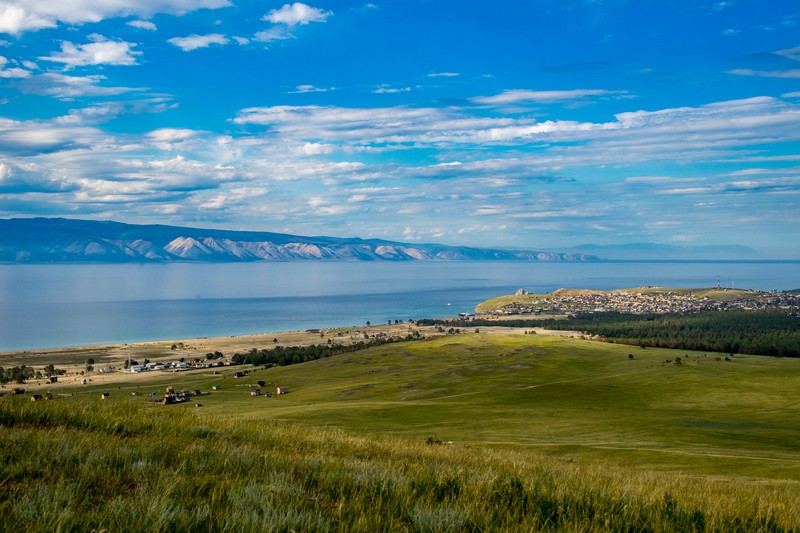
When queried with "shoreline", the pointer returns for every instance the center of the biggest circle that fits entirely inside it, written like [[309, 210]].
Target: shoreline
[[114, 356]]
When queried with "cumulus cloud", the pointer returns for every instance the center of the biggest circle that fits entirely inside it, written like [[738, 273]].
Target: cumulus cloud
[[544, 97], [193, 42], [18, 16], [66, 87], [11, 72], [632, 137], [272, 34], [300, 89], [171, 134], [169, 139], [31, 137], [297, 13], [388, 89], [142, 25], [310, 148], [515, 170], [100, 51]]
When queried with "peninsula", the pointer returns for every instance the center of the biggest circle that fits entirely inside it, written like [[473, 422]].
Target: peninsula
[[640, 300]]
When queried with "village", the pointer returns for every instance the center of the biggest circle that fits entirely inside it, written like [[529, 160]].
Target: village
[[631, 302]]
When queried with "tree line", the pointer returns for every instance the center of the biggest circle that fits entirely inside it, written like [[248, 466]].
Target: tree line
[[768, 332], [20, 374], [292, 355]]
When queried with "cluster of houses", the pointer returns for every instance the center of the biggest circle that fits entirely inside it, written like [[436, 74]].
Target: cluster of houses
[[646, 303], [175, 365]]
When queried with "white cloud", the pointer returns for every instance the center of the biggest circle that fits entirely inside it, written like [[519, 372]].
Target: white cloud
[[169, 139], [193, 42], [241, 40], [63, 86], [272, 34], [386, 89], [18, 16], [790, 74], [90, 115], [300, 89], [795, 94], [790, 53], [443, 74], [297, 13], [543, 97], [30, 137], [309, 148], [12, 72], [142, 25], [100, 51], [677, 134]]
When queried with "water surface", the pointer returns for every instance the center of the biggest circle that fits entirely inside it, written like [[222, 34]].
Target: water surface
[[78, 304]]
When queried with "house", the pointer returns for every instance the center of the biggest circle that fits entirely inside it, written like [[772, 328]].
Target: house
[[105, 396], [36, 397], [215, 387], [282, 390], [53, 379], [255, 391]]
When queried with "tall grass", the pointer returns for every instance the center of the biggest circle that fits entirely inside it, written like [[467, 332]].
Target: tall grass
[[119, 466]]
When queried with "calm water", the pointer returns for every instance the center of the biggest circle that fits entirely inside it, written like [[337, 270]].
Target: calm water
[[45, 306]]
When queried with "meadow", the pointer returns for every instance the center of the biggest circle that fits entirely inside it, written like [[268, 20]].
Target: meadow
[[470, 432]]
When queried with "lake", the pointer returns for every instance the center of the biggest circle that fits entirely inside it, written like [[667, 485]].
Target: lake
[[43, 306]]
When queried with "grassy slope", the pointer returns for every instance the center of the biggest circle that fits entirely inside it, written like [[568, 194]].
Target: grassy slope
[[721, 437], [565, 397]]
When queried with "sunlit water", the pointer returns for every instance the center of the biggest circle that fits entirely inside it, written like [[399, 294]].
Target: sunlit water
[[68, 305]]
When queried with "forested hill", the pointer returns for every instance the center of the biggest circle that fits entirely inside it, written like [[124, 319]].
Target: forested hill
[[58, 240]]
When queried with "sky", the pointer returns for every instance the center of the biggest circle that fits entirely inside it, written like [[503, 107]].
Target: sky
[[540, 124]]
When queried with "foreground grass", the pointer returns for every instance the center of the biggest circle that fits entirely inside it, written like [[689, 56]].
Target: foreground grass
[[66, 465]]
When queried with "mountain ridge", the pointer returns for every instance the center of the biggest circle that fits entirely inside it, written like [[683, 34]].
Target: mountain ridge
[[62, 240], [657, 251]]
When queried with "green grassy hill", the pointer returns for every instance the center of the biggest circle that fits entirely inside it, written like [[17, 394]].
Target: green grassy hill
[[547, 433]]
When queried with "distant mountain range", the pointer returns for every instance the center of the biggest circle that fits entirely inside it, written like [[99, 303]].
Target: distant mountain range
[[666, 252], [59, 240]]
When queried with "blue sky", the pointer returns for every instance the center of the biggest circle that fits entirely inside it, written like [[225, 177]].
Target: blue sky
[[542, 124]]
